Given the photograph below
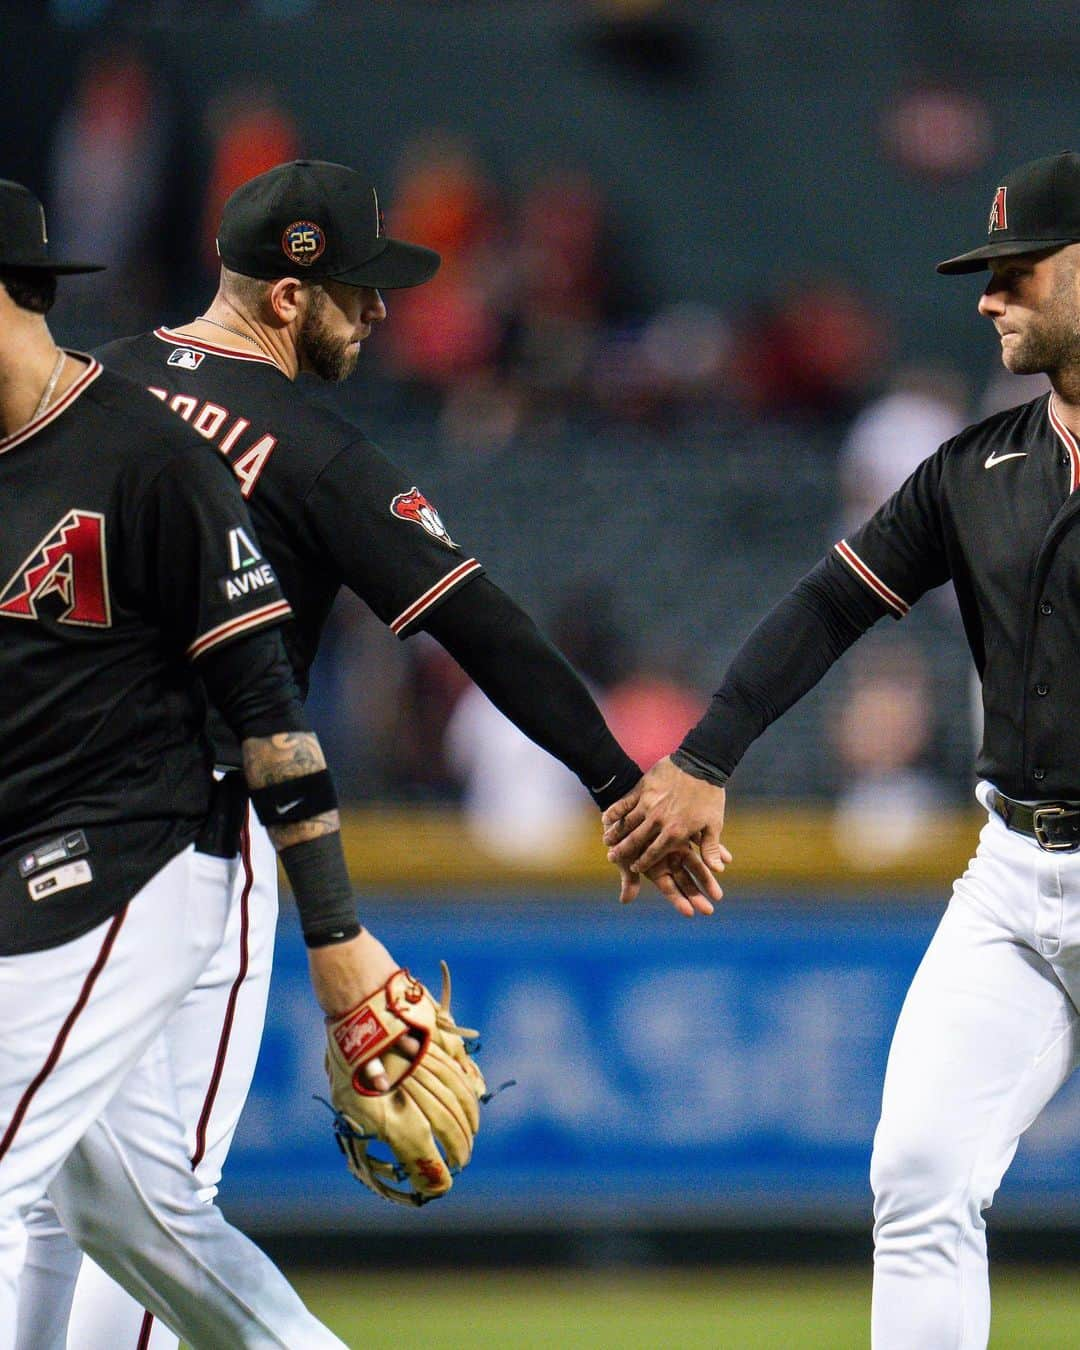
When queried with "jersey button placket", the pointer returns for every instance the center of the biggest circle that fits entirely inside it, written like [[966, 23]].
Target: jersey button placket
[[1046, 607], [1042, 690]]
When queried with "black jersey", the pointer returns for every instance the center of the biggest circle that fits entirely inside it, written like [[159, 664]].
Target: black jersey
[[995, 511], [328, 506], [126, 554]]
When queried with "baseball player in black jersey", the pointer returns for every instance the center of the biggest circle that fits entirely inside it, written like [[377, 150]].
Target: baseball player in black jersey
[[122, 562], [304, 258], [989, 1030]]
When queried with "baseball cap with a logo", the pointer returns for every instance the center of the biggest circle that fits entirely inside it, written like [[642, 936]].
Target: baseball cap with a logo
[[23, 238], [318, 221], [1036, 206]]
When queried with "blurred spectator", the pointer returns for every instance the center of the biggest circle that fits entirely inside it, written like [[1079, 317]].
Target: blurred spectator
[[937, 130], [250, 133], [106, 184], [647, 702], [650, 711], [922, 406], [519, 802], [455, 327], [811, 353], [880, 732], [666, 369], [567, 282]]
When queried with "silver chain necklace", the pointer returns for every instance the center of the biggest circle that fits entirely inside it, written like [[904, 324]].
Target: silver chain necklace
[[43, 401], [235, 331]]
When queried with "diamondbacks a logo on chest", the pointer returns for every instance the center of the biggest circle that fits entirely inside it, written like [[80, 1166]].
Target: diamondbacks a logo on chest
[[68, 563]]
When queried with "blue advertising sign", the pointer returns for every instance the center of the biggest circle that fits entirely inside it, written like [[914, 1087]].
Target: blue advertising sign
[[666, 1071]]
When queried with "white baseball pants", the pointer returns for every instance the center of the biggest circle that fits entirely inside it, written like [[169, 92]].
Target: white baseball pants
[[988, 1033], [213, 1041], [89, 1109]]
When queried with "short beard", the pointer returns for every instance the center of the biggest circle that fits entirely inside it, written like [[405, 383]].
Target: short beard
[[327, 357], [1051, 344]]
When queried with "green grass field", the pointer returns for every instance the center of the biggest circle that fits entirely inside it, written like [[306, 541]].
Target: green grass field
[[752, 1309]]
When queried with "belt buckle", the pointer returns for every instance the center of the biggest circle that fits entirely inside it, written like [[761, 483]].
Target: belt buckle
[[1044, 813]]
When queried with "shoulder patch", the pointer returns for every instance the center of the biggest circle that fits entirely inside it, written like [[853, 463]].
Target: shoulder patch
[[414, 506]]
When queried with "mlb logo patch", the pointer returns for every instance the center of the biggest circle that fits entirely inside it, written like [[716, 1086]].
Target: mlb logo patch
[[185, 358]]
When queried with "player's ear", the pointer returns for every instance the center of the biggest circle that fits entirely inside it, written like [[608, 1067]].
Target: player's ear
[[287, 300]]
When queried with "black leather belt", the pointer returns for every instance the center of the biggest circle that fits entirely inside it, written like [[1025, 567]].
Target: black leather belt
[[1055, 826]]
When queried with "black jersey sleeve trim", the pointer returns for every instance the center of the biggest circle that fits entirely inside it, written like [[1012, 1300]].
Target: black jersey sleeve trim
[[410, 616], [244, 623], [782, 659], [869, 577]]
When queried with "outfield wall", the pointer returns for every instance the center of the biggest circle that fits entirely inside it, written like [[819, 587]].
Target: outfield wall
[[722, 1071]]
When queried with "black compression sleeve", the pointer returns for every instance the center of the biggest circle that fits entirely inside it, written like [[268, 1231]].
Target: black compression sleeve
[[500, 648], [251, 681], [781, 660], [322, 889]]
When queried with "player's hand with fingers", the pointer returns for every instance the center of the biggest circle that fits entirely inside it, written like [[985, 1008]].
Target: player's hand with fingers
[[682, 878], [667, 812], [401, 1074]]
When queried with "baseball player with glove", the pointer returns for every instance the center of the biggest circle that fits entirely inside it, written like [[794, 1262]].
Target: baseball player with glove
[[989, 1030], [304, 261], [122, 603]]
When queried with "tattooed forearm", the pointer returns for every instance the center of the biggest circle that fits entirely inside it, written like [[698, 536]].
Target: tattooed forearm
[[275, 759], [283, 836]]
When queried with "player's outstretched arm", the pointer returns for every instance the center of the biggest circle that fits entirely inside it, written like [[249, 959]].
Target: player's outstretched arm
[[681, 800], [533, 685], [668, 812]]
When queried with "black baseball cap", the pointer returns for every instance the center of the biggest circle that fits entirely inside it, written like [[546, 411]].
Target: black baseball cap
[[316, 220], [1036, 206], [23, 238]]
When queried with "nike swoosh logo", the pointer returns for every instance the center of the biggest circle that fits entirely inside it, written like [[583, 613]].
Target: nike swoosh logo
[[994, 458], [604, 785], [288, 806]]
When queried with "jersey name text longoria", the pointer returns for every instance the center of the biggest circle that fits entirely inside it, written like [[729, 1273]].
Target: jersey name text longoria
[[208, 419]]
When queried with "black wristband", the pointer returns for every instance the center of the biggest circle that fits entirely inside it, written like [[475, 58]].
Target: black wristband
[[295, 799], [698, 768], [322, 889]]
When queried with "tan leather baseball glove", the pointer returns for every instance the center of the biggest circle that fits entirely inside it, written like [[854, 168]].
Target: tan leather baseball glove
[[429, 1116]]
